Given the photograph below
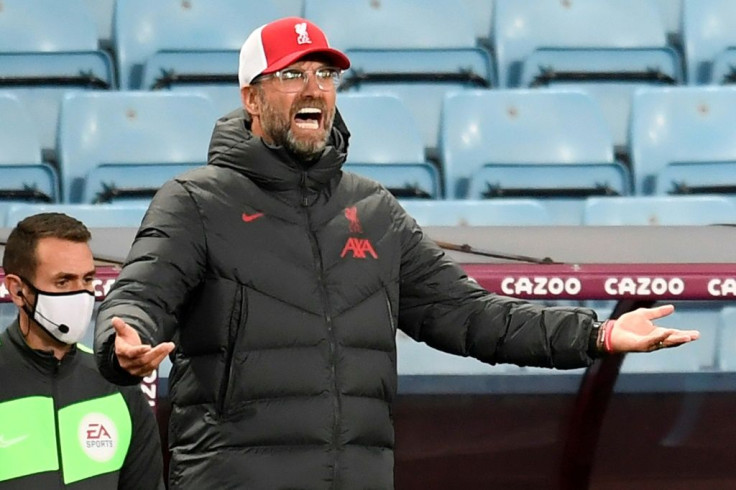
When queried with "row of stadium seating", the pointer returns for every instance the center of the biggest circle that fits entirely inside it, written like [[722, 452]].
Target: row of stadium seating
[[500, 143], [596, 211], [607, 48]]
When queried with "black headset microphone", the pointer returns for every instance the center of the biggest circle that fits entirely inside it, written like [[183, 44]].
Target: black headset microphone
[[62, 327]]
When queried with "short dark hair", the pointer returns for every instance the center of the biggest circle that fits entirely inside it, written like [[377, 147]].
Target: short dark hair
[[20, 249]]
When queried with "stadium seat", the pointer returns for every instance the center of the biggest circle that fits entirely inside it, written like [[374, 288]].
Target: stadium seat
[[48, 48], [484, 212], [24, 177], [129, 143], [102, 12], [709, 38], [659, 210], [529, 143], [405, 49], [671, 12], [92, 215], [683, 140], [385, 145], [727, 339], [605, 48], [481, 12], [523, 27], [190, 33]]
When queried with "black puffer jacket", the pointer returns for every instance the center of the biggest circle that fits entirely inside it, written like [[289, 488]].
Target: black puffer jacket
[[283, 288]]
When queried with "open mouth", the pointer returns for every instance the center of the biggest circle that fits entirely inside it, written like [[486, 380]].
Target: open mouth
[[308, 118]]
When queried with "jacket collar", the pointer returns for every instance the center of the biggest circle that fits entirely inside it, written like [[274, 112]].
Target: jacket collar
[[43, 361], [271, 167]]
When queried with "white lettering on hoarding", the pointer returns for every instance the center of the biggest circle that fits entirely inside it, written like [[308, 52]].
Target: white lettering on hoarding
[[643, 286], [540, 286], [722, 287]]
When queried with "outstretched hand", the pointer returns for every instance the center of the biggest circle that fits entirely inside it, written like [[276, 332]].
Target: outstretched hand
[[135, 357], [635, 332]]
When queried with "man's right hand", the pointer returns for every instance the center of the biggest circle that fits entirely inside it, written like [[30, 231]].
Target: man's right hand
[[133, 356]]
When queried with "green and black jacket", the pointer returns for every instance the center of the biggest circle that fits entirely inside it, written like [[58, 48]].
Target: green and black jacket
[[62, 425]]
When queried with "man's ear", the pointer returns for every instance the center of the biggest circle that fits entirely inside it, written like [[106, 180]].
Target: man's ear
[[14, 286], [249, 98]]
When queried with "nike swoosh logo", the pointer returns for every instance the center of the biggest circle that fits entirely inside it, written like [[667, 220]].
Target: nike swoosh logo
[[251, 217], [5, 444]]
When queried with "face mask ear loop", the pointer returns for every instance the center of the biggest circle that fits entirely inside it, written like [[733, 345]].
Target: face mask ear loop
[[29, 313]]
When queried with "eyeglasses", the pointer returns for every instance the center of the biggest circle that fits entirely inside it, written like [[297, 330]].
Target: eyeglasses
[[292, 80]]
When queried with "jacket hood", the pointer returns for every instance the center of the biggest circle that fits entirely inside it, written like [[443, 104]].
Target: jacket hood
[[233, 145]]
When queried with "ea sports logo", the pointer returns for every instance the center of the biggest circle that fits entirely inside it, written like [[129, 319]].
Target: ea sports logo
[[98, 437]]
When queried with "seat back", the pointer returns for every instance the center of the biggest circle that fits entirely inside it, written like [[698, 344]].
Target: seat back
[[472, 212], [393, 24], [659, 210], [42, 57], [142, 28], [403, 48], [683, 139], [130, 128], [92, 215], [23, 174], [708, 30], [385, 145], [521, 27], [18, 138], [527, 143], [37, 26], [102, 13]]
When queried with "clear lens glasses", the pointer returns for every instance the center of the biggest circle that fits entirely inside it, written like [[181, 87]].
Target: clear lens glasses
[[293, 80]]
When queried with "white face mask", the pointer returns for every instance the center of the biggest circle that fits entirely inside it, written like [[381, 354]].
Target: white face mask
[[64, 316]]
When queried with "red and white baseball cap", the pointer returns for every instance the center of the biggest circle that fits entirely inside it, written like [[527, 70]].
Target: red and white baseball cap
[[276, 45]]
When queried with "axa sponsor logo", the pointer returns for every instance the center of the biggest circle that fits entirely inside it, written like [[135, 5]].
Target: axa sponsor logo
[[359, 248], [98, 437]]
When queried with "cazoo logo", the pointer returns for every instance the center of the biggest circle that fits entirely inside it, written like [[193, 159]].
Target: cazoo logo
[[643, 286], [540, 285]]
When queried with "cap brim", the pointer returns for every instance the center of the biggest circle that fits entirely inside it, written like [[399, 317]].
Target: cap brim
[[336, 58]]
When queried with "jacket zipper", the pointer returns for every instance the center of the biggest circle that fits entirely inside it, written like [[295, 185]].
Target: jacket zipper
[[56, 422], [336, 401]]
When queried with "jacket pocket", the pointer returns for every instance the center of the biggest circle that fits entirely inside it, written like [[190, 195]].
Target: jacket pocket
[[235, 327]]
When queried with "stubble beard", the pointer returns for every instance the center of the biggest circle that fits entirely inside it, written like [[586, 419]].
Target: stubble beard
[[278, 128]]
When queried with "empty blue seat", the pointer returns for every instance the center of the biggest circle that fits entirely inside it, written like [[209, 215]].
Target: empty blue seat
[[48, 48], [185, 34], [92, 215], [709, 38], [102, 13], [484, 212], [671, 12], [23, 174], [659, 210], [683, 140], [606, 48], [529, 143], [403, 48], [118, 145], [523, 27], [385, 145]]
